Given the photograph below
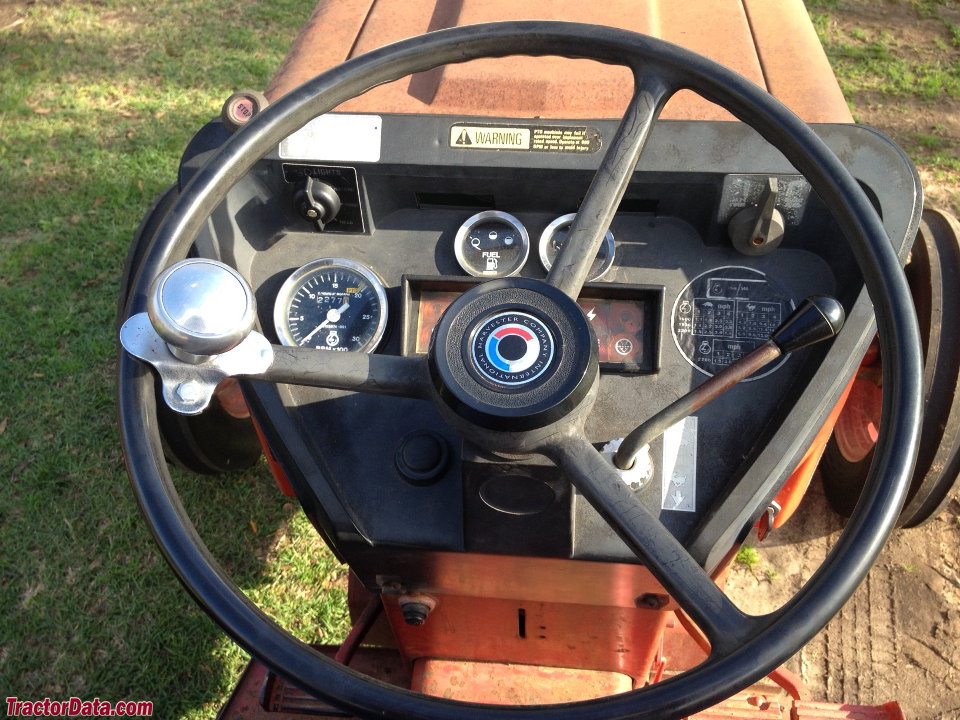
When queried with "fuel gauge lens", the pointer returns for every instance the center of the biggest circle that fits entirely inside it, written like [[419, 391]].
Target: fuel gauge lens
[[554, 237], [492, 244]]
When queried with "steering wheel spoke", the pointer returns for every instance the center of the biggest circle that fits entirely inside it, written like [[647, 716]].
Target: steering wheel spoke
[[724, 625], [359, 372], [572, 266]]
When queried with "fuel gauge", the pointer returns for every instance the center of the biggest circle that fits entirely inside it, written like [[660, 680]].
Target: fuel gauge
[[492, 244]]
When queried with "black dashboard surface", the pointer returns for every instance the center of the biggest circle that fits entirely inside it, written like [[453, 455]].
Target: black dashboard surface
[[693, 302]]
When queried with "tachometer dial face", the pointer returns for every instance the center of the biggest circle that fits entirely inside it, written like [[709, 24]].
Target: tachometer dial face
[[332, 304], [554, 237], [492, 244]]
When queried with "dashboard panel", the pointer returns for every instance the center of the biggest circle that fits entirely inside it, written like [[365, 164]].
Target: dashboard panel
[[678, 302]]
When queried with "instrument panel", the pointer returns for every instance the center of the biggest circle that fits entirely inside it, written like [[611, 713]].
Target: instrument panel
[[661, 321], [624, 318], [339, 304]]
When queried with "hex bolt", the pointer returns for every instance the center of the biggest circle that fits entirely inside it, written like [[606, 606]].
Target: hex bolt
[[190, 391], [652, 601]]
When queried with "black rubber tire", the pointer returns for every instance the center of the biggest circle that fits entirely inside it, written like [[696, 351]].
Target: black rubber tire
[[934, 278]]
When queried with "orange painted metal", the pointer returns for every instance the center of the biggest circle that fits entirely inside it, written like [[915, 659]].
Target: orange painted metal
[[513, 684], [551, 634], [795, 67], [765, 42], [544, 580], [260, 695], [796, 486], [686, 646], [763, 701], [279, 476], [859, 424], [846, 711]]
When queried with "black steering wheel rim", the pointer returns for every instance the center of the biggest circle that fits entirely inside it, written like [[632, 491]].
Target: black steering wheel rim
[[710, 682]]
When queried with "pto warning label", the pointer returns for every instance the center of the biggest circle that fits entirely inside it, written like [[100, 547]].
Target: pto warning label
[[527, 138]]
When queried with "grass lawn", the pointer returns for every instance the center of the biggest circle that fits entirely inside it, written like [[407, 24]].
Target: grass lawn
[[98, 100]]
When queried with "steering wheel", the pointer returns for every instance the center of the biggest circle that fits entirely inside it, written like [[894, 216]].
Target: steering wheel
[[543, 414]]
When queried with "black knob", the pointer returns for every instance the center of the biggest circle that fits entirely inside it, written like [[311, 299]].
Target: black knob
[[817, 318], [317, 202], [422, 457]]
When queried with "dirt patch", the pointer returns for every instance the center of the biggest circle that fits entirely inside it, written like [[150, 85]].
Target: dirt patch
[[898, 638], [12, 13]]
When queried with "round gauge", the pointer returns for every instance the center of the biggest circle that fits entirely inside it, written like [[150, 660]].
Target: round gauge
[[332, 304], [554, 237], [492, 244]]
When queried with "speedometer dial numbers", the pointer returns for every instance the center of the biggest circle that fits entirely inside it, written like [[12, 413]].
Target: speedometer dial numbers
[[492, 244], [332, 304]]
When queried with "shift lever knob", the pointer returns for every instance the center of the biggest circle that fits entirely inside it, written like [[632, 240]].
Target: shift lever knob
[[817, 318], [201, 307]]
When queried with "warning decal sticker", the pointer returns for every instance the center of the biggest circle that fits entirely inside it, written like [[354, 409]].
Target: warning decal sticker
[[526, 138]]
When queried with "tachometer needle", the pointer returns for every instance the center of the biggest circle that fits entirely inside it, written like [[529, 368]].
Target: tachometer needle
[[333, 315]]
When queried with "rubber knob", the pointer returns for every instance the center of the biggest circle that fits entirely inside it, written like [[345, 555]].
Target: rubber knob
[[239, 108], [817, 318], [422, 457]]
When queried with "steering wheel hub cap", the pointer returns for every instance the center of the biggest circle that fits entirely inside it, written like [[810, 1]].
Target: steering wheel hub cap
[[512, 349], [512, 355]]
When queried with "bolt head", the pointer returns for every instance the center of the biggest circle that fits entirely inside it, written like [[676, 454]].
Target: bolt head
[[190, 391]]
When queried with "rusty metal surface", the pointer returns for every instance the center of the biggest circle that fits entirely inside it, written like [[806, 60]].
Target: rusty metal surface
[[772, 44]]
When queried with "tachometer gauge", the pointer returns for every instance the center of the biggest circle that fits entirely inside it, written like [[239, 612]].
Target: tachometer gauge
[[332, 304], [492, 244], [554, 237]]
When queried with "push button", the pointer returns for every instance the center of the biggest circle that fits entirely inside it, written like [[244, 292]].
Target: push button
[[422, 457]]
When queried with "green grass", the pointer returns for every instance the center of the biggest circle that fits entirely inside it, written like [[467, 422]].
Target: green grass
[[98, 101], [898, 69], [879, 66], [748, 557]]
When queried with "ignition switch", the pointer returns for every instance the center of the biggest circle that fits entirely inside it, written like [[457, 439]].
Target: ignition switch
[[317, 202], [758, 230]]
